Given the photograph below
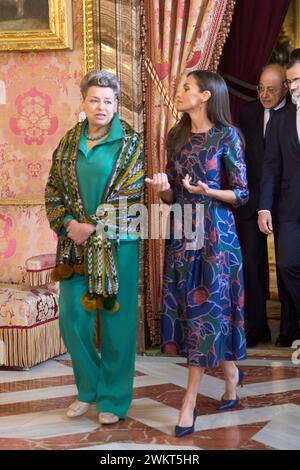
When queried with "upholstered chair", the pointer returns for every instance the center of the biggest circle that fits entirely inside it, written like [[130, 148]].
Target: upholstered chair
[[29, 324]]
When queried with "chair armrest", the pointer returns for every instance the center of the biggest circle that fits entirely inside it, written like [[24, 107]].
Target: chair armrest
[[39, 269]]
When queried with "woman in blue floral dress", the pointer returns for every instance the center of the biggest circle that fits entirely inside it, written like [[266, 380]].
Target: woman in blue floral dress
[[203, 289]]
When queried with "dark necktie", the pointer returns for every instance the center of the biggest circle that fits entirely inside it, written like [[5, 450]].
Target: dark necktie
[[268, 126]]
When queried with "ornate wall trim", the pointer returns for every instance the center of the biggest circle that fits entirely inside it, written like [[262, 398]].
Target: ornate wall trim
[[22, 202], [297, 23], [88, 34]]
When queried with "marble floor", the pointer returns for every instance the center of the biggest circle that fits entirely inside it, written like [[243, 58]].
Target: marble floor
[[33, 403]]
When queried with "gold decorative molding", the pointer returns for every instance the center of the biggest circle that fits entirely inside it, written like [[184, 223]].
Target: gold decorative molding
[[88, 24], [291, 26], [297, 24], [58, 34], [22, 202]]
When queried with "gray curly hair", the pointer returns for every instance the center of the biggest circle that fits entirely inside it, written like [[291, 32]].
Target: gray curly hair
[[100, 78]]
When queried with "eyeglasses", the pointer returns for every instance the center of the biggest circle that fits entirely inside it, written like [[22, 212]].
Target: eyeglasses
[[295, 81], [270, 90]]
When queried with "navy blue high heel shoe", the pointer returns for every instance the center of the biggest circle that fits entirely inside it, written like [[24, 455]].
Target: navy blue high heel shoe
[[181, 431], [228, 404]]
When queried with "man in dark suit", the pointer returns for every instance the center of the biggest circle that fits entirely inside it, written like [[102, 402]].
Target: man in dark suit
[[281, 171], [255, 122]]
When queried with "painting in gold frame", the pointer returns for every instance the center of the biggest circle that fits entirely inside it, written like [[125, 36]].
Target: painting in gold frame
[[31, 25], [291, 25], [297, 24]]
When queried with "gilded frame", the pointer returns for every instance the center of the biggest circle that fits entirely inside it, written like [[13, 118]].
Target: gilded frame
[[297, 25], [291, 26], [88, 33], [58, 36]]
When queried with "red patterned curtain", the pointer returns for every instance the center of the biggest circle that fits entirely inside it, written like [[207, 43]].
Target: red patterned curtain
[[181, 36]]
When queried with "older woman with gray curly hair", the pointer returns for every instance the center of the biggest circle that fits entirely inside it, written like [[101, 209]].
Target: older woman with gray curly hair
[[97, 168]]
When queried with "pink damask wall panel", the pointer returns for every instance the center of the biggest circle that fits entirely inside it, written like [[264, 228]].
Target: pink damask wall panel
[[24, 232], [42, 102]]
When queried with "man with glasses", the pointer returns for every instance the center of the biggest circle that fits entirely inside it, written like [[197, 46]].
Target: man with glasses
[[255, 123], [281, 171]]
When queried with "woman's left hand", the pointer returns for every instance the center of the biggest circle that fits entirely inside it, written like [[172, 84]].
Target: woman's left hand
[[79, 232], [200, 188]]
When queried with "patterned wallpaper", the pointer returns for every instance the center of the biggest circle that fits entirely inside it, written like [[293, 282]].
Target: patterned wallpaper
[[42, 102]]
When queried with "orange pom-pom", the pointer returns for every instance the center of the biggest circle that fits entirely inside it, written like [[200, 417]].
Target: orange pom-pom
[[65, 271], [88, 303], [54, 276], [79, 269], [115, 307]]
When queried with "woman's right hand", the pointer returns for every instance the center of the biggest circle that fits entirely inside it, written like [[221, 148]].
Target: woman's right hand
[[79, 232], [159, 182]]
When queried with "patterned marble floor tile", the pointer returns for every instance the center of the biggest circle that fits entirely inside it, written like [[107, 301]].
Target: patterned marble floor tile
[[46, 369], [256, 375], [37, 406], [46, 424], [37, 394], [33, 405], [283, 431], [36, 383], [129, 446]]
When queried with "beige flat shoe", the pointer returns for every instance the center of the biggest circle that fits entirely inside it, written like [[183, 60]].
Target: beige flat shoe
[[108, 418], [77, 408]]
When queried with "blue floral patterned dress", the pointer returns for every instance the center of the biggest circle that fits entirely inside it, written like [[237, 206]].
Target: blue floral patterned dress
[[203, 288]]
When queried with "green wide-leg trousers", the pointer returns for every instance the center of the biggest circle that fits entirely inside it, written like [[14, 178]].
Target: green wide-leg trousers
[[106, 379]]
